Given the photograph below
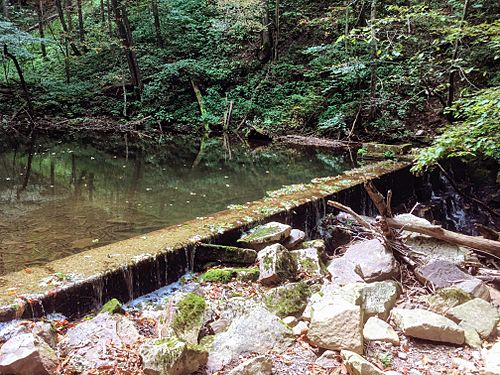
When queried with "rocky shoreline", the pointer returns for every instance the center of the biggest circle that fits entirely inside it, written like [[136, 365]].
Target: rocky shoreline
[[301, 309]]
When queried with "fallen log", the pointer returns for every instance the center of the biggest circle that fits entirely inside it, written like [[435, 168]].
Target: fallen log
[[436, 231]]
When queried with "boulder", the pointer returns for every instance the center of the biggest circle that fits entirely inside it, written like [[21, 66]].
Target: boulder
[[295, 239], [85, 343], [289, 299], [290, 321], [476, 313], [471, 336], [260, 365], [379, 298], [366, 260], [446, 298], [258, 331], [357, 365], [185, 319], [442, 274], [308, 261], [45, 331], [263, 235], [221, 254], [329, 359], [491, 359], [336, 324], [171, 356], [276, 265], [315, 244], [376, 329], [427, 325], [27, 354]]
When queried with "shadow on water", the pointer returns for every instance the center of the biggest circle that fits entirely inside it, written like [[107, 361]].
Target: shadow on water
[[59, 198]]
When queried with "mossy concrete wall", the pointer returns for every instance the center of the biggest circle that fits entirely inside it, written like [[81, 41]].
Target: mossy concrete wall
[[127, 269]]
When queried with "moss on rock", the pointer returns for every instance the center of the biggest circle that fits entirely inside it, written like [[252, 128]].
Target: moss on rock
[[225, 275], [113, 306], [289, 299], [189, 312]]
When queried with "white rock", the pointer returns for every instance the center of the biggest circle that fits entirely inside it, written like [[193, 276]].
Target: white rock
[[336, 324], [491, 360], [300, 329], [357, 365], [27, 354], [276, 265], [376, 329], [260, 365], [295, 239], [290, 321], [427, 325], [476, 313]]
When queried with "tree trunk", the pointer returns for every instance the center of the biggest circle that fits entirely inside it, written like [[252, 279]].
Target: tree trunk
[[123, 27], [108, 16], [266, 49], [5, 8], [64, 26], [201, 103], [451, 78], [81, 27], [24, 87], [40, 27], [101, 9], [156, 16], [373, 74], [277, 31]]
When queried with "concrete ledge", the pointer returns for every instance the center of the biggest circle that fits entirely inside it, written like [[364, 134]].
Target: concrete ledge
[[127, 269]]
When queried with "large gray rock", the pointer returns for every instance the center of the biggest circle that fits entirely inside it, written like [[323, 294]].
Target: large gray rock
[[171, 356], [27, 354], [276, 265], [288, 299], [476, 313], [85, 342], [184, 319], [296, 238], [442, 274], [260, 365], [308, 261], [471, 336], [336, 324], [491, 359], [366, 261], [376, 329], [45, 331], [427, 325], [263, 235], [258, 331], [357, 365], [379, 298]]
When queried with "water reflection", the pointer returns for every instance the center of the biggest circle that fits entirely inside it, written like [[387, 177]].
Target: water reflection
[[60, 198]]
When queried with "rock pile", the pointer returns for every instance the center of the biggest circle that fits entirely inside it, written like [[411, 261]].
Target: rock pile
[[337, 309]]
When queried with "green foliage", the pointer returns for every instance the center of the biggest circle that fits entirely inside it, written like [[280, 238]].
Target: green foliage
[[474, 134]]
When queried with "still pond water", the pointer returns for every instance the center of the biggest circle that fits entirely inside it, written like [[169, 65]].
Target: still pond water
[[75, 196]]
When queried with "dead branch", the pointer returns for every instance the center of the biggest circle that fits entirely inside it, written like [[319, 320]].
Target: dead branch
[[440, 233], [365, 224]]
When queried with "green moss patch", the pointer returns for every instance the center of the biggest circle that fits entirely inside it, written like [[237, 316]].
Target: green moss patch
[[113, 306], [290, 299], [225, 275], [189, 312]]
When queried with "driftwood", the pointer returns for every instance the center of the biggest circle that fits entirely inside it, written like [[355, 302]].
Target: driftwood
[[440, 233]]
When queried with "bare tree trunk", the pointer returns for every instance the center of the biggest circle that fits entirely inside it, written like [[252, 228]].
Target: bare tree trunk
[[121, 19], [5, 8], [108, 14], [373, 74], [64, 26], [40, 27], [81, 27], [277, 31], [451, 78], [101, 8], [24, 87], [156, 16], [266, 49]]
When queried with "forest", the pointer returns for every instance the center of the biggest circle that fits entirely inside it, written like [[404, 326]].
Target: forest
[[395, 71]]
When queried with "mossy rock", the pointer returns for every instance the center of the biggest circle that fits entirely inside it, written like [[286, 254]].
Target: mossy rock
[[210, 254], [225, 275], [446, 298], [265, 234], [289, 299], [113, 306]]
